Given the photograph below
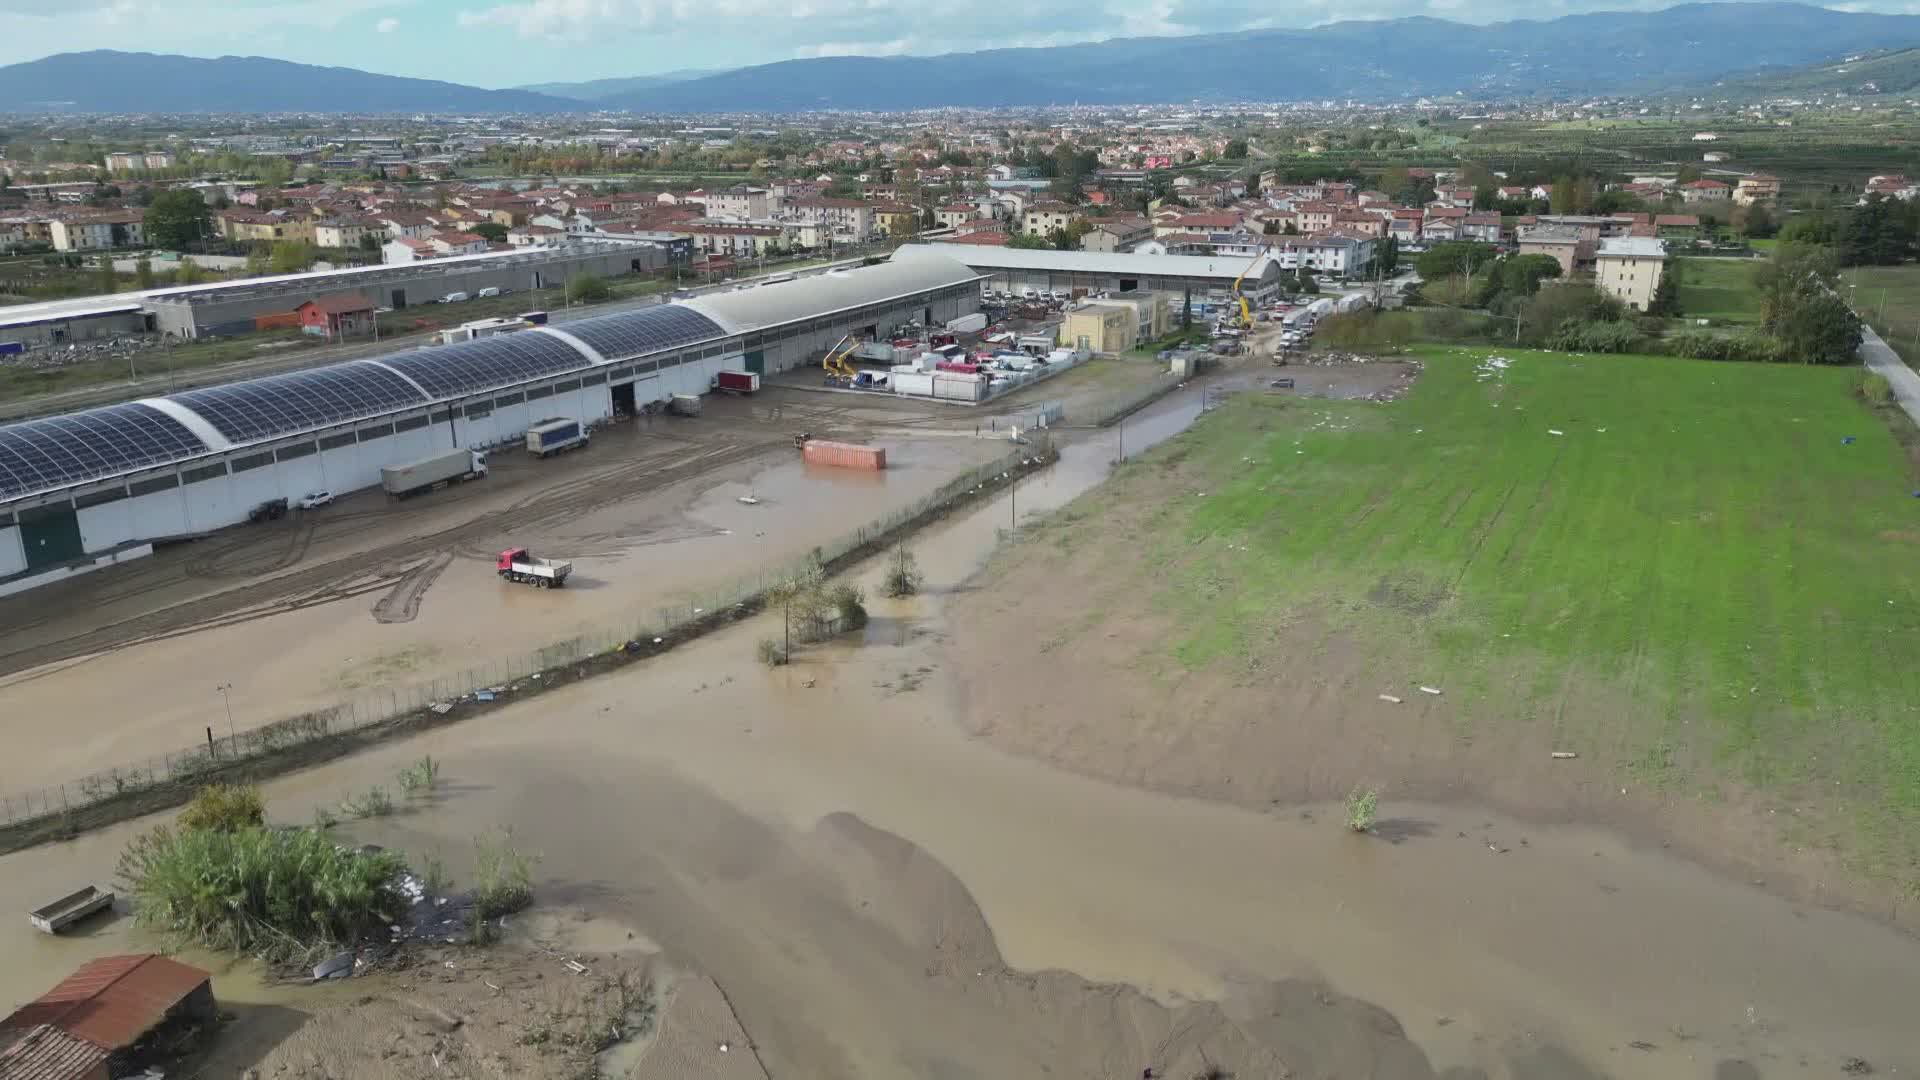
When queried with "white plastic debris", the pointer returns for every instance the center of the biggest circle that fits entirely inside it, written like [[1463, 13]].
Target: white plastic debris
[[1564, 755], [1555, 431], [1434, 690], [1389, 699]]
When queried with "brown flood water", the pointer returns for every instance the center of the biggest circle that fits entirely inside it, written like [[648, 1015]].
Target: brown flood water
[[674, 798], [630, 559]]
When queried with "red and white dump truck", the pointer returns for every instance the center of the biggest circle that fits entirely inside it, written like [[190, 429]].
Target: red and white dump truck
[[519, 565]]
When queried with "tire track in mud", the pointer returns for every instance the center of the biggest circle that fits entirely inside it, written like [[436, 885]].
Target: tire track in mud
[[362, 573], [402, 602]]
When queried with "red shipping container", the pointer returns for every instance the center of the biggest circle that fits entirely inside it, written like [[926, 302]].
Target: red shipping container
[[844, 455]]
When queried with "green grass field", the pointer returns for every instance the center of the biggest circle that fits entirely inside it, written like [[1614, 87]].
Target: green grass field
[[1720, 289], [1698, 579], [1889, 297]]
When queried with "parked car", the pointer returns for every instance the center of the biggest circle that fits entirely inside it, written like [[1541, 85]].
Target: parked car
[[315, 500]]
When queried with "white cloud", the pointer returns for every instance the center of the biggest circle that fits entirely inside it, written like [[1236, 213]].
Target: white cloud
[[895, 47], [386, 26]]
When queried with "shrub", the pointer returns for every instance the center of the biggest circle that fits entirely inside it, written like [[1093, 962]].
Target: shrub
[[903, 576], [849, 606], [375, 803], [224, 807], [771, 652], [1363, 806], [278, 893], [502, 876], [587, 289], [420, 776], [1876, 389], [1597, 336]]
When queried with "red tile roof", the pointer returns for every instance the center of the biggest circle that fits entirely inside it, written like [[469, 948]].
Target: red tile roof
[[1680, 221], [984, 238], [112, 1001]]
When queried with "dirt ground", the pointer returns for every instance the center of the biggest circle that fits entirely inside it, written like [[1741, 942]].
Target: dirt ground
[[874, 892]]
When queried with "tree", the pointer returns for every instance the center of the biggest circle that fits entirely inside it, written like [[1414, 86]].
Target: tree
[[1819, 328], [291, 256], [177, 219], [587, 289], [1068, 239], [258, 259], [1795, 271], [109, 281], [1754, 222], [189, 273], [1453, 257], [1562, 200], [1028, 241], [1388, 255], [492, 230], [1666, 295], [1236, 148], [143, 274]]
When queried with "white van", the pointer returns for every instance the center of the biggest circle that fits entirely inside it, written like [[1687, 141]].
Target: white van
[[453, 298], [490, 290]]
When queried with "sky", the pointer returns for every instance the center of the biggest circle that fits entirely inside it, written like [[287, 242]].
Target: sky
[[497, 43]]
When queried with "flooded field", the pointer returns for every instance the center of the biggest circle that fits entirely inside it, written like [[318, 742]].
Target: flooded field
[[879, 894], [365, 596]]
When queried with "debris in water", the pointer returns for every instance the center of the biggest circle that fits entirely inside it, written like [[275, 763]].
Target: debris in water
[[1855, 1066], [483, 695], [1564, 755], [337, 966], [441, 708], [1434, 690], [723, 1047], [749, 500], [574, 966], [1555, 431], [1389, 699]]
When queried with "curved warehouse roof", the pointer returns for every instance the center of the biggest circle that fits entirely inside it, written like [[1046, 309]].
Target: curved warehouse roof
[[1125, 264], [53, 452], [824, 294]]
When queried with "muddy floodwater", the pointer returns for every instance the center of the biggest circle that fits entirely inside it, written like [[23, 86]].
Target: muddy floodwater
[[784, 830], [630, 559]]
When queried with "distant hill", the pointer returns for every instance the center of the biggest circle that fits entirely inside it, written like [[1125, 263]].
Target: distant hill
[[107, 81], [1895, 71], [1606, 52], [600, 89]]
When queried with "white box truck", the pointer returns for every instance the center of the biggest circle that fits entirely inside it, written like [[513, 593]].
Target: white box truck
[[968, 324], [555, 437], [448, 466]]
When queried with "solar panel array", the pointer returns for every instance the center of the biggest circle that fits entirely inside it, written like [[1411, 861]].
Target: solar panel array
[[628, 334], [58, 450], [486, 363], [301, 400]]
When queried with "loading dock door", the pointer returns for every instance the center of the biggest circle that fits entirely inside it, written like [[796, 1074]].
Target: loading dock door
[[51, 537], [757, 361], [623, 399], [399, 299]]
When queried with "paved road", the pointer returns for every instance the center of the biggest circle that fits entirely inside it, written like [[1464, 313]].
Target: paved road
[[1881, 359]]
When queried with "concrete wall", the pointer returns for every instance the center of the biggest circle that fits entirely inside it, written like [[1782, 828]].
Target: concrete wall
[[69, 330], [235, 315]]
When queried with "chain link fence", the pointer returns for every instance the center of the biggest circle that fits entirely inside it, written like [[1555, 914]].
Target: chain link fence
[[140, 784]]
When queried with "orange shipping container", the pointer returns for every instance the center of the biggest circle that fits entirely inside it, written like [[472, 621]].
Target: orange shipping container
[[279, 320], [845, 455]]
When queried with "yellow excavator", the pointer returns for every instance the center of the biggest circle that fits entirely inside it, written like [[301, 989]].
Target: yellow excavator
[[839, 372], [1245, 321]]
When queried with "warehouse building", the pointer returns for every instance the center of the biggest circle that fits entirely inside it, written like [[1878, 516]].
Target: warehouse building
[[230, 307], [1180, 277], [83, 490]]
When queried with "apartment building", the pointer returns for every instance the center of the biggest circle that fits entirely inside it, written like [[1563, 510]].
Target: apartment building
[[1629, 268], [101, 230], [848, 221], [739, 201]]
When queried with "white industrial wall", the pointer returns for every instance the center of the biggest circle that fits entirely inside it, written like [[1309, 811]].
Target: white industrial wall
[[13, 556]]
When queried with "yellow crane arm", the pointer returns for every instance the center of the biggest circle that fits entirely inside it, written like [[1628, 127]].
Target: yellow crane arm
[[1246, 312]]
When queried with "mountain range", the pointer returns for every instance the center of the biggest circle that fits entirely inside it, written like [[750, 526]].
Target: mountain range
[[1693, 45]]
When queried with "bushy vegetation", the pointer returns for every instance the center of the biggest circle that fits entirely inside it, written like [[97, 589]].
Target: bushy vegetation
[[587, 289], [277, 893], [374, 802], [224, 808], [502, 876], [903, 577], [1363, 808], [771, 652], [1875, 388], [421, 776]]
